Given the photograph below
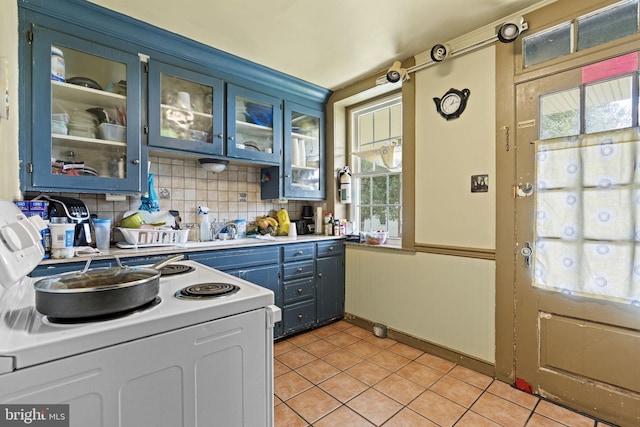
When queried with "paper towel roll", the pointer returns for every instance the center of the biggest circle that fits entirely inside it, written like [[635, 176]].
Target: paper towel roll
[[319, 218]]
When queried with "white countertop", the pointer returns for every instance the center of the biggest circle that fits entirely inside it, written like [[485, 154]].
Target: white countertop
[[192, 246]]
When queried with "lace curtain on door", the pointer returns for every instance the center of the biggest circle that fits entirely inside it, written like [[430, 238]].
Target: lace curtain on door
[[588, 215]]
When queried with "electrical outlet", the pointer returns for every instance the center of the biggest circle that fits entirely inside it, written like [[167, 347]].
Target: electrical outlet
[[165, 193], [242, 196]]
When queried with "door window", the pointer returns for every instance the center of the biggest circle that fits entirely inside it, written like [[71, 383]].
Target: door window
[[587, 221], [588, 198]]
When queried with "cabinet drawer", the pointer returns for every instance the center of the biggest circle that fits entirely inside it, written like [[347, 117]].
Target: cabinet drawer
[[334, 247], [296, 270], [299, 251], [299, 316], [299, 290]]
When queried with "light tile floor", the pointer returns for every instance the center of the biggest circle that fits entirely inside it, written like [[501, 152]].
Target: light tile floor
[[342, 375]]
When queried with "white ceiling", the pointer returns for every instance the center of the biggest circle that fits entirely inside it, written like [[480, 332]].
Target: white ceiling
[[330, 43]]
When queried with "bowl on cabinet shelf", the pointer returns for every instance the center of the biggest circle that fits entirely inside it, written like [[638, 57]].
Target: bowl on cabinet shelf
[[259, 114]]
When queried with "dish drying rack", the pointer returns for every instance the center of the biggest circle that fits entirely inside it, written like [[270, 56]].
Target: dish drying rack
[[146, 237]]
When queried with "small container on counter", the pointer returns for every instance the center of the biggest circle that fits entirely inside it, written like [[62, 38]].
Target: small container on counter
[[103, 233], [241, 228]]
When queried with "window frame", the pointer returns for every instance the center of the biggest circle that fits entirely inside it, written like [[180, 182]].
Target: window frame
[[387, 100]]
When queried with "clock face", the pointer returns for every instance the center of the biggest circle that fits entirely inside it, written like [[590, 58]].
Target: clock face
[[450, 103]]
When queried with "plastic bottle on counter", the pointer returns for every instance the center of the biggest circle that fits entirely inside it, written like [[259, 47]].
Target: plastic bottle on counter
[[336, 227], [328, 226], [205, 225]]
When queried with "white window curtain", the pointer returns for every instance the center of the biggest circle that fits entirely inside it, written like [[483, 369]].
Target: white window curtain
[[588, 216]]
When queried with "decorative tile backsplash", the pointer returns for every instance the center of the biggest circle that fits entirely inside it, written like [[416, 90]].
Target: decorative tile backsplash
[[183, 185]]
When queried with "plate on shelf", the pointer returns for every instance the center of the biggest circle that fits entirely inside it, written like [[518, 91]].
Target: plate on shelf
[[84, 81]]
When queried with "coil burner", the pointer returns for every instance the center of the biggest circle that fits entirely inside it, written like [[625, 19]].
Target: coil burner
[[207, 291], [174, 269]]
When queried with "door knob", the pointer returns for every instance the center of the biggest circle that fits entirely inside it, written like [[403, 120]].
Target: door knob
[[527, 251]]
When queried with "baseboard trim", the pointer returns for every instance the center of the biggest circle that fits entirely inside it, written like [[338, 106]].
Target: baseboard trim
[[464, 360]]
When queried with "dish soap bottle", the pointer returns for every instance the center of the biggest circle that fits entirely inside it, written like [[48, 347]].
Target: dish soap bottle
[[205, 225]]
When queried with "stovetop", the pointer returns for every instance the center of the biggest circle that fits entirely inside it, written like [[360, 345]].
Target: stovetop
[[30, 338]]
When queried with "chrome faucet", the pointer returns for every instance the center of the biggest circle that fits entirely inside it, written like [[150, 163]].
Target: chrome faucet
[[230, 228]]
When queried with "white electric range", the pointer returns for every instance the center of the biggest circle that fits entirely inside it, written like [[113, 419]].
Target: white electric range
[[174, 362]]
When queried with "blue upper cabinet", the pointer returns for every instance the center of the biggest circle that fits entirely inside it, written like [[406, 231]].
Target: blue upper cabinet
[[186, 110], [301, 176], [137, 88], [82, 108], [304, 153], [254, 125]]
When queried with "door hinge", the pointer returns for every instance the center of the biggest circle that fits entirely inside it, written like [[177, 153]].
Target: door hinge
[[145, 129], [29, 36], [145, 68], [29, 168]]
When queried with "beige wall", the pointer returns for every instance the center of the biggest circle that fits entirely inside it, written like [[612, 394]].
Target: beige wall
[[9, 184], [445, 300], [449, 152]]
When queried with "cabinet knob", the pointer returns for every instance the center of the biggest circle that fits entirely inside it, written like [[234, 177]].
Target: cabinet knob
[[299, 316], [135, 161], [320, 275], [299, 253], [330, 248], [287, 176], [219, 135], [299, 290], [231, 137], [299, 269]]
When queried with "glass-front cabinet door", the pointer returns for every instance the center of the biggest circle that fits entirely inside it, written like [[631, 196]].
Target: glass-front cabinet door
[[85, 114], [304, 152], [185, 110], [254, 125]]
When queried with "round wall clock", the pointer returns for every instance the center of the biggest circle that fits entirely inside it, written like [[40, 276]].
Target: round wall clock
[[452, 103]]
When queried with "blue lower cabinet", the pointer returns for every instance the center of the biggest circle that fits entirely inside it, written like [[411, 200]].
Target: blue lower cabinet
[[300, 316], [299, 290], [330, 281], [268, 277]]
